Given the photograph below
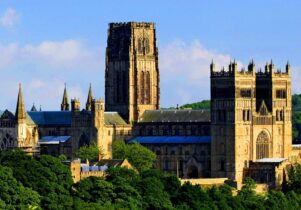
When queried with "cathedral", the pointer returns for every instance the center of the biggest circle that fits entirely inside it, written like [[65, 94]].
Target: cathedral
[[247, 131]]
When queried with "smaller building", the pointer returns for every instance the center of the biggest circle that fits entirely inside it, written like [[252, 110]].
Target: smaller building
[[81, 170]]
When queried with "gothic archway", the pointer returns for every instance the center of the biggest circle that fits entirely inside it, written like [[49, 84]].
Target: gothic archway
[[7, 142], [192, 172], [262, 145], [84, 140]]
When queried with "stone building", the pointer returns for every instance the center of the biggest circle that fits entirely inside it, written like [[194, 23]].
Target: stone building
[[250, 118], [247, 131], [62, 132], [132, 72]]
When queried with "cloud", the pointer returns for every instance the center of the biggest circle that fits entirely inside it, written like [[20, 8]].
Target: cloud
[[43, 69], [9, 18], [65, 54], [185, 73]]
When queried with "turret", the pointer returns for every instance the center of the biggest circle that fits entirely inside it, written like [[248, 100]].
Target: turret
[[20, 110], [65, 104], [89, 99], [251, 66], [272, 68], [288, 68], [97, 109], [75, 104], [212, 67]]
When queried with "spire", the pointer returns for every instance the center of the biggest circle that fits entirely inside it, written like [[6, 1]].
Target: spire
[[65, 104], [89, 99], [33, 108], [20, 110]]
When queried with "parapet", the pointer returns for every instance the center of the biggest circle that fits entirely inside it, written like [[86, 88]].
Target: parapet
[[149, 25], [269, 71]]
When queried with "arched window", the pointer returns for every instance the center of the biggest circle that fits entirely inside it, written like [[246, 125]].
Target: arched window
[[147, 88], [142, 87], [262, 145], [140, 45], [146, 46]]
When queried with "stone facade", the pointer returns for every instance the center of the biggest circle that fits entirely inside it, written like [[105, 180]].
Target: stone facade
[[250, 118], [132, 74]]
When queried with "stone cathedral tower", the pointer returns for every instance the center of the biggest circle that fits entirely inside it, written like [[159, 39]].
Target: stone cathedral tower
[[132, 73], [250, 118]]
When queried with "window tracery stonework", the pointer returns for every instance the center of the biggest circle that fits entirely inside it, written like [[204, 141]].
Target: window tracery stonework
[[262, 145]]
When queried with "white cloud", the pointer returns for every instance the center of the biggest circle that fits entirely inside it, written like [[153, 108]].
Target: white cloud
[[185, 72], [9, 18], [65, 54], [43, 69]]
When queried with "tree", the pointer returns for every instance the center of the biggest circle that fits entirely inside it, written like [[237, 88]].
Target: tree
[[294, 179], [194, 197], [89, 152], [139, 156], [94, 190], [13, 195], [153, 194], [248, 197], [44, 174]]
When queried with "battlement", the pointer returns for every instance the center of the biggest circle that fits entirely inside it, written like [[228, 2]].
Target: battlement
[[149, 25], [269, 71]]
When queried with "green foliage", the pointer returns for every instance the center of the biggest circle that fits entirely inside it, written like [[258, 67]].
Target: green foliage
[[294, 182], [45, 174], [89, 152], [13, 195], [205, 104], [45, 183], [94, 190], [139, 156], [248, 197]]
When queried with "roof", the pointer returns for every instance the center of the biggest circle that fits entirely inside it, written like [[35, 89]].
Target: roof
[[53, 139], [51, 118], [110, 162], [175, 116], [296, 145], [171, 139], [113, 118], [270, 160]]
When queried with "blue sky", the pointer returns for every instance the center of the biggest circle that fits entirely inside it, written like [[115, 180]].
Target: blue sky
[[44, 44]]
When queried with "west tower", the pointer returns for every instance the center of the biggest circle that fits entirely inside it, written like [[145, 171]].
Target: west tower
[[132, 73], [250, 118]]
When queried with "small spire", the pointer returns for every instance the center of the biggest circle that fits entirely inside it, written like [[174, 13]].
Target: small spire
[[40, 108], [89, 99], [20, 110], [33, 108], [65, 104]]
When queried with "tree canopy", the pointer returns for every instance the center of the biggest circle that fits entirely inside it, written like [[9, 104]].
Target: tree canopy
[[89, 152], [139, 156]]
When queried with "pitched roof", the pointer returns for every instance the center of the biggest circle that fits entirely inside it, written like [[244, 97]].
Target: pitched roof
[[7, 115], [113, 118], [175, 116], [111, 162], [171, 139], [51, 118], [63, 118], [53, 139]]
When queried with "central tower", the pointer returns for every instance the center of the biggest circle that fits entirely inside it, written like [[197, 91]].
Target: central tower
[[132, 73]]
